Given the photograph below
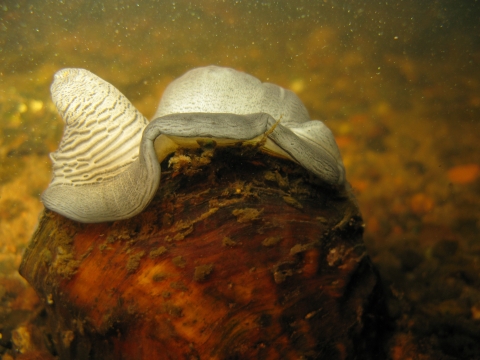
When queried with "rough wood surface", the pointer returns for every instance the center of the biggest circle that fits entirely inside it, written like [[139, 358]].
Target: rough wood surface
[[239, 256]]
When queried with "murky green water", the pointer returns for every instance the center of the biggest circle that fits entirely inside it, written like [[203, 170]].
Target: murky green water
[[398, 82]]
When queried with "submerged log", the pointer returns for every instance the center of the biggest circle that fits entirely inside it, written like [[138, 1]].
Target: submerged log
[[239, 256]]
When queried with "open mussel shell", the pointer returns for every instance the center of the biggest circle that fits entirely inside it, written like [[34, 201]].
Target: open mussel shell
[[239, 256]]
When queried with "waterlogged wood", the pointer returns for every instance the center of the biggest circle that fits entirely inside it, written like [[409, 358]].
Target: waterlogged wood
[[239, 256]]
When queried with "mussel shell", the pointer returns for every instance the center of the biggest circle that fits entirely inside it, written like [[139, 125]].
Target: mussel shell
[[239, 256]]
